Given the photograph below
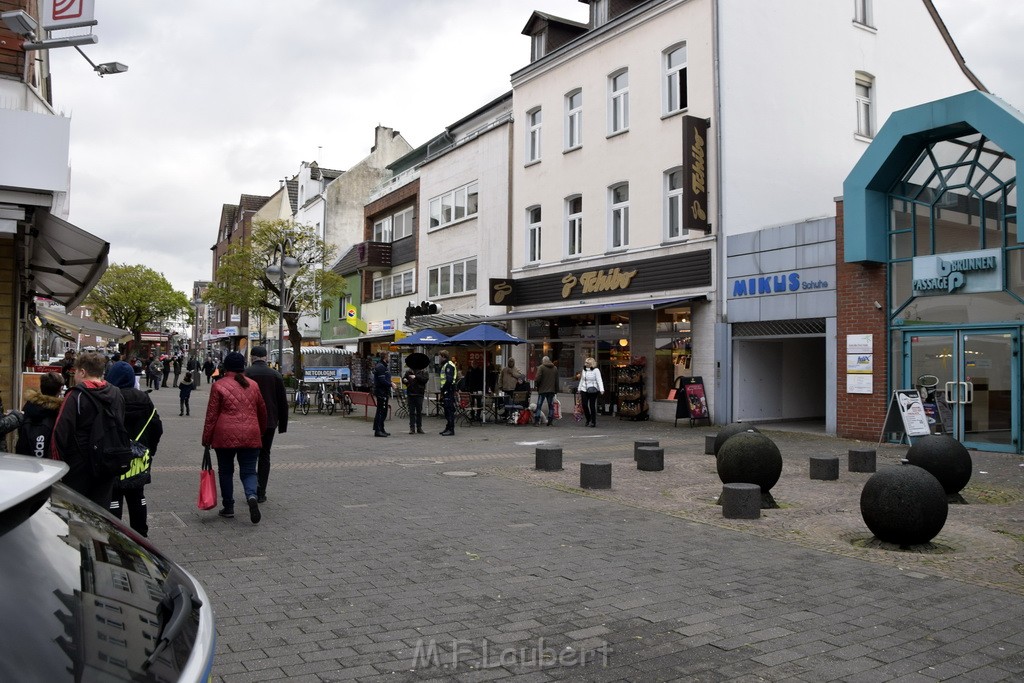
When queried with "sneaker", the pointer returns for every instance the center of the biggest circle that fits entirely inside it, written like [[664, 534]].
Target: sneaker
[[254, 509], [227, 512]]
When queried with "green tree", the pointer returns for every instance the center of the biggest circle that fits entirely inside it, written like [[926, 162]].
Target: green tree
[[134, 298], [242, 278]]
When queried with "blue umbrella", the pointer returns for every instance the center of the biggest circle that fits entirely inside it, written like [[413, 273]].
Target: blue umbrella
[[425, 337], [484, 335]]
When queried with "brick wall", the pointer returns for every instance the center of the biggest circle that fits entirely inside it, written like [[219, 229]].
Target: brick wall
[[858, 287], [12, 57]]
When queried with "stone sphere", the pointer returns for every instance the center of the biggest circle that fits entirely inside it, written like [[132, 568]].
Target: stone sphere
[[945, 458], [750, 458], [904, 505], [731, 430]]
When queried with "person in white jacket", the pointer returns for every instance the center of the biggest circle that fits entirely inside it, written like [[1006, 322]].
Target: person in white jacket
[[590, 387]]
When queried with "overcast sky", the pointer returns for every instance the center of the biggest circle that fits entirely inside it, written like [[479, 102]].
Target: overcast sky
[[228, 97]]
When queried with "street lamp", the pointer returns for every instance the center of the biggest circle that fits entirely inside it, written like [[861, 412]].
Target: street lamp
[[284, 265]]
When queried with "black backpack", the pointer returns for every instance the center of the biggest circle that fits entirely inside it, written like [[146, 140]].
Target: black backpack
[[34, 436], [110, 446]]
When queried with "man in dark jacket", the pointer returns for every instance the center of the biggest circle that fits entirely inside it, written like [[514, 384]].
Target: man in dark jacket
[[41, 408], [144, 425], [271, 385], [73, 429], [381, 393]]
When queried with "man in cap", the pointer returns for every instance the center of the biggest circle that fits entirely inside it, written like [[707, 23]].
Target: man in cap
[[271, 385]]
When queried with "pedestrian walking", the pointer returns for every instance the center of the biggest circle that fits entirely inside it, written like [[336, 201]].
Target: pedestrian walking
[[155, 372], [165, 370], [40, 410], [208, 368], [143, 424], [184, 393], [271, 385], [381, 393], [176, 368], [89, 400], [449, 378], [194, 366], [415, 382], [546, 383], [590, 387], [236, 417]]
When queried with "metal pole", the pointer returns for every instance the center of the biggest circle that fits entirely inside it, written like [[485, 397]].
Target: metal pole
[[280, 319]]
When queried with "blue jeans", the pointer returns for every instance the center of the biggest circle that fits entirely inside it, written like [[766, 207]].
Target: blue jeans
[[540, 403], [247, 459]]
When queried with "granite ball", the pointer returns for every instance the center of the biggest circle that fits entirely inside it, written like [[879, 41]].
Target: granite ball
[[945, 458], [731, 430], [750, 458], [905, 505]]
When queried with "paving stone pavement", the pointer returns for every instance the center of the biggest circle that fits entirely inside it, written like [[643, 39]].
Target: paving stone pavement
[[372, 563]]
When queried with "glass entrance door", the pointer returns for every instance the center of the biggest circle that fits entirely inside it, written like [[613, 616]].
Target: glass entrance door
[[975, 378]]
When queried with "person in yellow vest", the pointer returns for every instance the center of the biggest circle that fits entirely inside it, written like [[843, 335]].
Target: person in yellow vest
[[449, 375]]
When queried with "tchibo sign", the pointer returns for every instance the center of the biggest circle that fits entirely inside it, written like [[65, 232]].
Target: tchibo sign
[[965, 272]]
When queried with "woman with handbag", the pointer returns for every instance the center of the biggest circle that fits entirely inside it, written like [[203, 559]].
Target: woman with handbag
[[142, 423], [236, 418], [590, 387]]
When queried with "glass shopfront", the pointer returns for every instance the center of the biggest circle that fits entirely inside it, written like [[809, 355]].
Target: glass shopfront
[[956, 290]]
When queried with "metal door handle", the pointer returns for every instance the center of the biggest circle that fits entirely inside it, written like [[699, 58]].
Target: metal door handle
[[968, 392], [950, 396]]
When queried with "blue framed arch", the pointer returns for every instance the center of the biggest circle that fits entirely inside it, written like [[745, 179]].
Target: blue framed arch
[[899, 142]]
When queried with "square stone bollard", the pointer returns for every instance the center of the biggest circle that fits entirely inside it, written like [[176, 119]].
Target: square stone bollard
[[637, 445], [549, 458], [595, 474], [825, 467], [650, 458], [862, 459], [709, 444], [741, 501]]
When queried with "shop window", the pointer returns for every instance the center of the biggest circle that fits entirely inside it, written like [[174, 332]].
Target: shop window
[[673, 349]]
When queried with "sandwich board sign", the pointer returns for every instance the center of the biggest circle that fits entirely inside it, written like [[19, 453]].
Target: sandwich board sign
[[906, 416]]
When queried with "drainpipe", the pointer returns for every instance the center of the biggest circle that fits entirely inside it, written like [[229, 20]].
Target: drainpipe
[[723, 341]]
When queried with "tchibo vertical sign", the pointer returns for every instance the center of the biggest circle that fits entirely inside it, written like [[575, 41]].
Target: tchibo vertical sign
[[695, 174], [59, 14]]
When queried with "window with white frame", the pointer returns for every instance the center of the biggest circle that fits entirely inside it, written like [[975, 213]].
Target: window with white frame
[[674, 203], [864, 94], [574, 119], [399, 284], [452, 278], [533, 121], [394, 227], [574, 226], [862, 13], [454, 205], [619, 219], [675, 78], [537, 46], [618, 101], [533, 234]]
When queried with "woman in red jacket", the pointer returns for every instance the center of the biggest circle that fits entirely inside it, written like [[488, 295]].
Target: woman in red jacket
[[235, 419]]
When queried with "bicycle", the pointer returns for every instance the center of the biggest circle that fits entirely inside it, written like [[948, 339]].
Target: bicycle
[[331, 400], [301, 399], [321, 401]]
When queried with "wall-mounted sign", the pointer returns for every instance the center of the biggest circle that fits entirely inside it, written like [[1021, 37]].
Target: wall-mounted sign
[[500, 292], [381, 326], [964, 272], [59, 14], [695, 175], [596, 281], [781, 283]]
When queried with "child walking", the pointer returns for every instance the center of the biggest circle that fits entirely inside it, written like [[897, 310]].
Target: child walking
[[185, 388]]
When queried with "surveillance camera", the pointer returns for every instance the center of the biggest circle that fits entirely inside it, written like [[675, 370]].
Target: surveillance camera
[[878, 305]]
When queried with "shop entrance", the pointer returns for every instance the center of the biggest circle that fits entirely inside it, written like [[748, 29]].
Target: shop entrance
[[974, 375]]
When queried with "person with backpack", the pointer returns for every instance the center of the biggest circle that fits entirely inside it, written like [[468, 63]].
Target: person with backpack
[[89, 434], [41, 408], [144, 426]]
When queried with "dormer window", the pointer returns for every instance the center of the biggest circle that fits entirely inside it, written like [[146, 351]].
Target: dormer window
[[598, 13], [537, 43]]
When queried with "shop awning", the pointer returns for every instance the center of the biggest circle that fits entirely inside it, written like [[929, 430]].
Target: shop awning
[[66, 261], [610, 307], [75, 326]]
